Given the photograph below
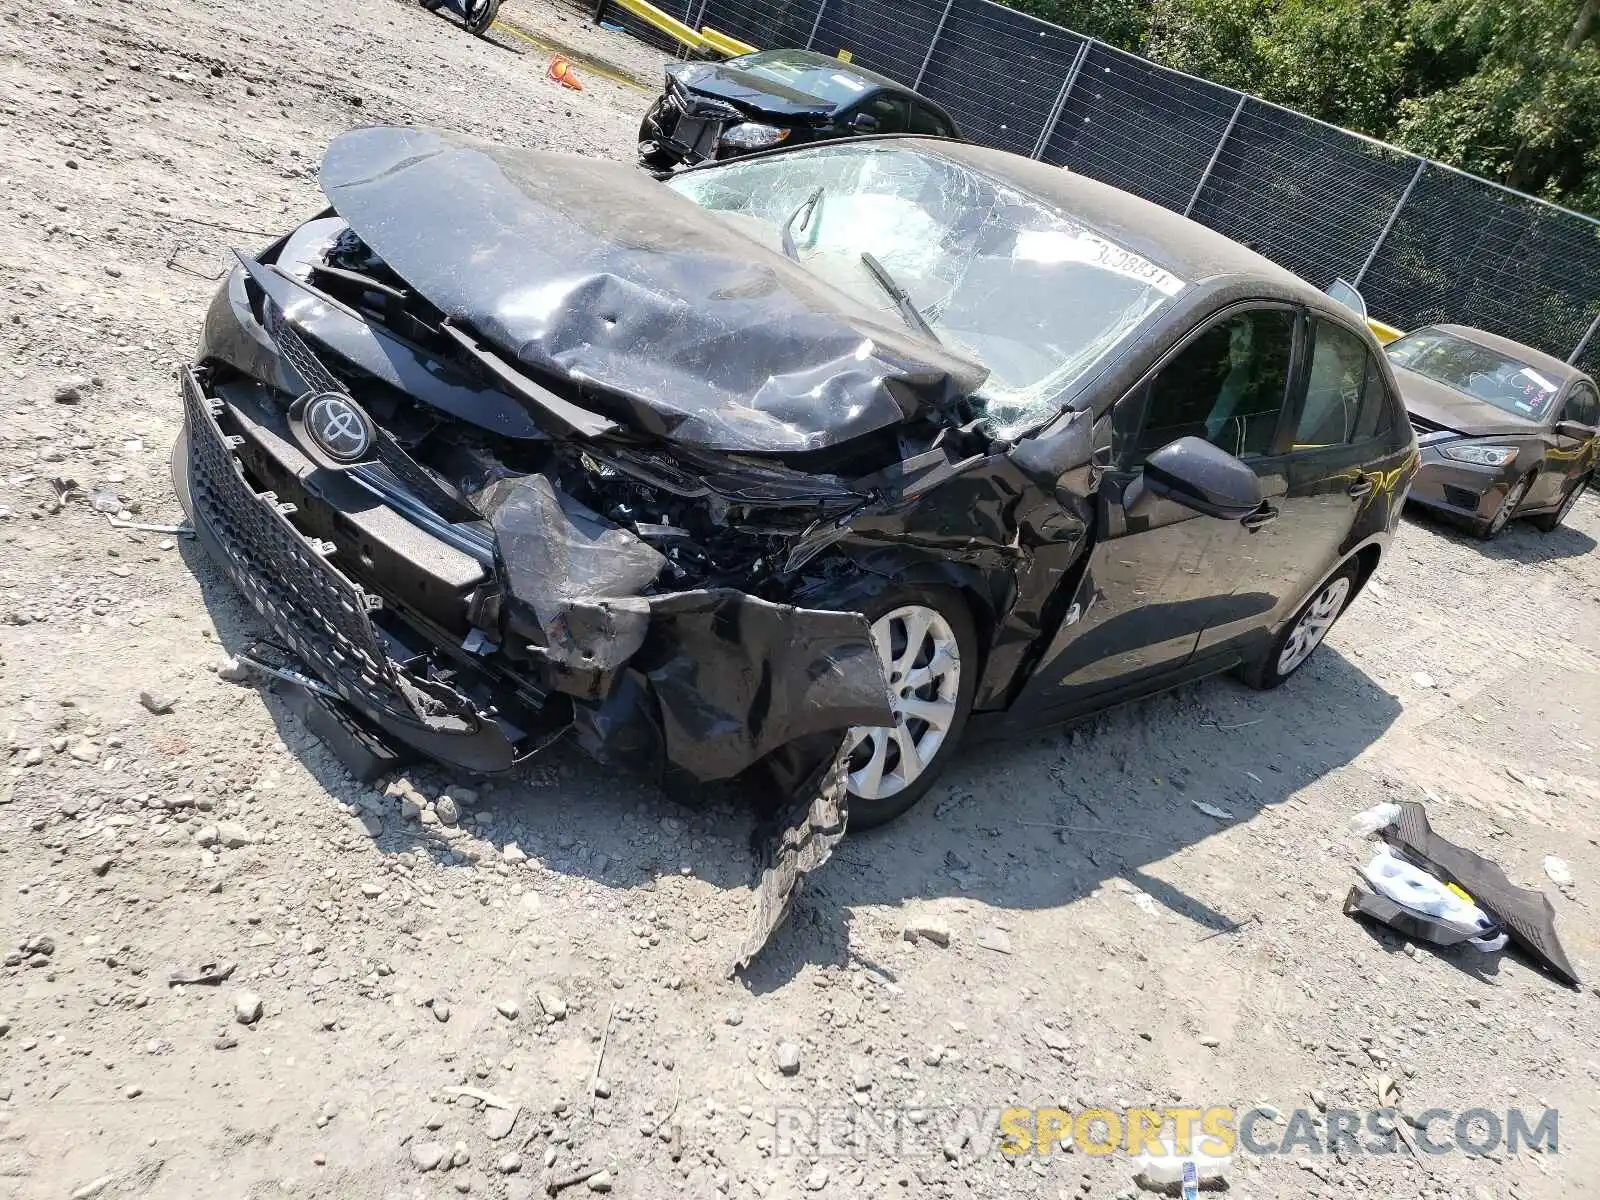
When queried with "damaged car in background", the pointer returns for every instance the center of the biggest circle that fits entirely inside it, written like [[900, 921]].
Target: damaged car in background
[[794, 467]]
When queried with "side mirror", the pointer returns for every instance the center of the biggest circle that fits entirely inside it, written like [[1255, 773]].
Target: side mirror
[[1574, 429], [865, 123], [1347, 295], [1194, 473]]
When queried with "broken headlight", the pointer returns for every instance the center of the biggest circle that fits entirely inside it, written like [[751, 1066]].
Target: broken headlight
[[752, 135]]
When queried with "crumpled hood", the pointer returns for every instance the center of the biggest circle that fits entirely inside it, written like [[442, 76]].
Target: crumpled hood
[[665, 316], [726, 81], [1447, 408]]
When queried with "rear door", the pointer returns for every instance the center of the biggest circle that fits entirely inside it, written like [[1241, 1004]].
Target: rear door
[[1335, 479]]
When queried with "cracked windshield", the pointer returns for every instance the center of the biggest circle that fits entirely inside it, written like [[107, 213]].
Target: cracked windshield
[[995, 274]]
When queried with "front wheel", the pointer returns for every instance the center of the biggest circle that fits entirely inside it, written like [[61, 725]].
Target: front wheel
[[1491, 529], [1550, 522], [929, 649], [1293, 648], [483, 17]]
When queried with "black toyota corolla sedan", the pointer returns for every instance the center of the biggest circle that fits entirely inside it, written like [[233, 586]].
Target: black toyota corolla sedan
[[772, 98], [805, 462], [1505, 430]]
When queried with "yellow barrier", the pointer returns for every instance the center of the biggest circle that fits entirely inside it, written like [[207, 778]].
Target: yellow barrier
[[668, 24], [732, 47], [1384, 333]]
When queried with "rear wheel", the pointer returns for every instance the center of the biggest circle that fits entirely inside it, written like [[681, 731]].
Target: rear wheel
[[1293, 648], [1491, 529], [929, 649], [1550, 522]]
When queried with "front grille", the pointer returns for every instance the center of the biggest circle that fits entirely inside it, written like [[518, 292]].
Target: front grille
[[310, 604]]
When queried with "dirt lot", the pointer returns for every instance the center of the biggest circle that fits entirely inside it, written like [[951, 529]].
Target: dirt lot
[[1110, 944]]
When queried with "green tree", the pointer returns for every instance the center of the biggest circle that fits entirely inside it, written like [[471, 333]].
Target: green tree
[[1514, 93], [1343, 61]]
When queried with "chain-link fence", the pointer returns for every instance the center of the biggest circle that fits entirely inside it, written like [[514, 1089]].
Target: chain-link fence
[[1424, 242]]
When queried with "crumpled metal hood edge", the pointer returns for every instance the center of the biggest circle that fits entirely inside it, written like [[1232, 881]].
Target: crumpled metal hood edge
[[663, 315]]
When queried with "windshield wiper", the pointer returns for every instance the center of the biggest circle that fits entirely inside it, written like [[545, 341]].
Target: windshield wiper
[[807, 207], [902, 300]]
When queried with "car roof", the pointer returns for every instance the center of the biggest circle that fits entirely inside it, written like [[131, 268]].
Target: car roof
[[811, 60], [1553, 368], [1187, 249]]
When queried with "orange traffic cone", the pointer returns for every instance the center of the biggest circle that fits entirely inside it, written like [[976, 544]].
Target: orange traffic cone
[[561, 71]]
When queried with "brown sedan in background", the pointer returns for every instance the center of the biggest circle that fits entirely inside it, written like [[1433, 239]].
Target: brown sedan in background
[[1504, 430]]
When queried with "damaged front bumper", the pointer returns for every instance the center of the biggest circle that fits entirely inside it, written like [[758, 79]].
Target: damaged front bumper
[[688, 687]]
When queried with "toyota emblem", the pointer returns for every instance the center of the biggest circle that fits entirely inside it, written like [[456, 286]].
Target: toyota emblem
[[338, 427]]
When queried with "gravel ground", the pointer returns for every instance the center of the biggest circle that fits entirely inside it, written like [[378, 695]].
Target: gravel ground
[[396, 956]]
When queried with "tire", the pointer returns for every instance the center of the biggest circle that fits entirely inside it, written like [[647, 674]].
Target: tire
[[1550, 522], [481, 20], [948, 646], [650, 126], [1488, 530], [658, 162], [1315, 618], [432, 5]]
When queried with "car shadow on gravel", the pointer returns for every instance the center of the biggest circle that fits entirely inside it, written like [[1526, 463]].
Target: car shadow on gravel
[[1519, 542], [1043, 822], [1018, 824]]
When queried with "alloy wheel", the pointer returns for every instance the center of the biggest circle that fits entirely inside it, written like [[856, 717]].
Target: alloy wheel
[[923, 664], [1571, 501], [1508, 506], [1314, 624]]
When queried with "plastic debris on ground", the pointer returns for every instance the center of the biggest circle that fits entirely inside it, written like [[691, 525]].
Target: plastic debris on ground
[[1175, 1174], [1432, 890]]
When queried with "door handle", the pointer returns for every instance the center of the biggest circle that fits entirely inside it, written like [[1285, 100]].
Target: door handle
[[1360, 489], [1264, 515]]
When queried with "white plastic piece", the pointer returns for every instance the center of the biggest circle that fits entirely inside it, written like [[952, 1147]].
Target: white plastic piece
[[1412, 887], [1556, 868], [1379, 816], [1162, 1171]]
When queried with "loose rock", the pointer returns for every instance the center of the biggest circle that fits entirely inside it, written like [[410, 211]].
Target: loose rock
[[247, 1008], [788, 1057], [426, 1156], [158, 702], [499, 1122], [929, 929]]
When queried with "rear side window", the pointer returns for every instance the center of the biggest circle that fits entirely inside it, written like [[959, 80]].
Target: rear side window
[[1345, 397]]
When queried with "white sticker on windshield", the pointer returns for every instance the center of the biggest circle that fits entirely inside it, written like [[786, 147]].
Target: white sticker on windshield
[[855, 85], [1544, 384], [1062, 246]]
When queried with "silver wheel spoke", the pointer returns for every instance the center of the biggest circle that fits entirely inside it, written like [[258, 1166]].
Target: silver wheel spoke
[[922, 697], [870, 778], [942, 663], [910, 758], [916, 627], [937, 713]]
